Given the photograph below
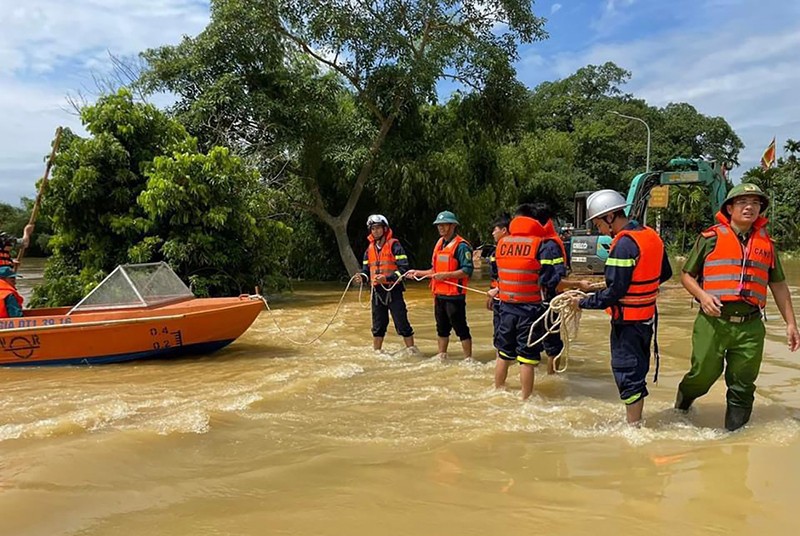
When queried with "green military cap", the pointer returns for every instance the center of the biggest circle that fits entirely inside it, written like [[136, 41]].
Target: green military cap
[[445, 217], [747, 188]]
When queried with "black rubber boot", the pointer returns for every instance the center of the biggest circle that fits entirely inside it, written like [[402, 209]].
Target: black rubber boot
[[736, 417], [683, 403]]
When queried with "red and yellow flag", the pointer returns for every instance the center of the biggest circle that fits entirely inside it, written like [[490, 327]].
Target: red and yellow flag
[[768, 158]]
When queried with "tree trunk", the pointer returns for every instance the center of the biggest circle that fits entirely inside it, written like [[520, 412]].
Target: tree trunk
[[349, 258], [339, 223]]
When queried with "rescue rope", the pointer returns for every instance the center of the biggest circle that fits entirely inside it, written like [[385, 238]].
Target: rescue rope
[[330, 322], [415, 278], [561, 317]]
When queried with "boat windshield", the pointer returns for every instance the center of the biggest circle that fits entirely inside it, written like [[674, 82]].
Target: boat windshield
[[136, 285]]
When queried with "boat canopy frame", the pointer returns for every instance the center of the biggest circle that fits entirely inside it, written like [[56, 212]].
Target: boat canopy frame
[[135, 286]]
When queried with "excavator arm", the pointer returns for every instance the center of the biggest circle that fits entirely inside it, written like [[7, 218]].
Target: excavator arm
[[679, 171]]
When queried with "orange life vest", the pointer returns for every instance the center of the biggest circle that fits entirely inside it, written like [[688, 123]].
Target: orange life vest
[[639, 303], [381, 261], [551, 234], [735, 272], [5, 258], [444, 260], [517, 265], [493, 261], [7, 290]]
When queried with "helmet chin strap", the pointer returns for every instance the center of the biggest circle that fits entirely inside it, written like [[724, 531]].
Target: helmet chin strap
[[611, 231]]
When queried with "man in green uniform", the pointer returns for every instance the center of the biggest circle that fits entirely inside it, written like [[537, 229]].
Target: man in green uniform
[[728, 272]]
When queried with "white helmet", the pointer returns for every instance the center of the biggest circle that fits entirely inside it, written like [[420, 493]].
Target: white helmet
[[603, 202], [377, 219]]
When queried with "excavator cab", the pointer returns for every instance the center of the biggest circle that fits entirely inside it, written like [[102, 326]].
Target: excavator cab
[[588, 250]]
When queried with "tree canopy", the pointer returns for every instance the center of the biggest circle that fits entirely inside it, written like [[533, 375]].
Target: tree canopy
[[138, 190], [294, 120]]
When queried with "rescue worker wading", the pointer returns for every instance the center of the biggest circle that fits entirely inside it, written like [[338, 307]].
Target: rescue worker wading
[[499, 230], [524, 259], [728, 272], [10, 299], [385, 262], [637, 264], [554, 270], [452, 268]]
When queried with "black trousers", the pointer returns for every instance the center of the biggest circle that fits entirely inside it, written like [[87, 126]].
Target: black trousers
[[451, 315], [392, 302]]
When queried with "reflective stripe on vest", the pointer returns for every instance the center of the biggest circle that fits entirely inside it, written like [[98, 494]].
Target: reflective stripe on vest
[[735, 272], [381, 261], [639, 303], [550, 234], [5, 258], [444, 260], [518, 269]]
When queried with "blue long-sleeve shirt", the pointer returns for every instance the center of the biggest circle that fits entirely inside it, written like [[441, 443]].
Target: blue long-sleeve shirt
[[553, 269], [619, 272]]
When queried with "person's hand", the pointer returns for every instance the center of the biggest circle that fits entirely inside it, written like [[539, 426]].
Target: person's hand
[[26, 235], [440, 276], [380, 278], [576, 302], [491, 294], [358, 275], [410, 274], [711, 305], [584, 285], [792, 337]]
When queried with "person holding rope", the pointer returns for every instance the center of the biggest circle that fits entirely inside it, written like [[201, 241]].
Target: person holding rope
[[553, 271], [385, 262], [637, 264], [524, 257], [451, 269], [499, 230], [728, 272]]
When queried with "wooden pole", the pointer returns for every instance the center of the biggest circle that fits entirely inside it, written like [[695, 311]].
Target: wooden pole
[[42, 186]]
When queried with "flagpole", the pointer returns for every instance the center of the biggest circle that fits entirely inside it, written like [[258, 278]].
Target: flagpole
[[772, 191]]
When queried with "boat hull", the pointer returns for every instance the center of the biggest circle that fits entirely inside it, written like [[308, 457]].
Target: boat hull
[[194, 327]]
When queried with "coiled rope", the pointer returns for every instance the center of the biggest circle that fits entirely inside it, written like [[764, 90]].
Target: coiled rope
[[562, 317]]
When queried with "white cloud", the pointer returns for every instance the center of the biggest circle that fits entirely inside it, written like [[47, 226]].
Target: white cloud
[[747, 73], [49, 49], [612, 16], [555, 8]]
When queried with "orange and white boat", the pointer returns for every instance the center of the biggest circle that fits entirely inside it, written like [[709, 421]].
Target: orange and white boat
[[140, 311]]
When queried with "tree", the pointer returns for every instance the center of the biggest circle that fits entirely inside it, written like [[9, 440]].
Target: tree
[[792, 146], [13, 220], [138, 190], [389, 56], [782, 185]]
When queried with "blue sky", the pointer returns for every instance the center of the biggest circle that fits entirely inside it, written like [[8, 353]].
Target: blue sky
[[739, 59]]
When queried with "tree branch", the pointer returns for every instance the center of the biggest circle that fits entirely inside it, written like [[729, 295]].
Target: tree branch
[[336, 67], [366, 169]]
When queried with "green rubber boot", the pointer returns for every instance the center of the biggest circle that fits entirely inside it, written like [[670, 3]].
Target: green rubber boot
[[683, 403], [736, 417]]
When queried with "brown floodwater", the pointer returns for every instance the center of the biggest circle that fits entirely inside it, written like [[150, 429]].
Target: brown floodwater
[[267, 437]]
